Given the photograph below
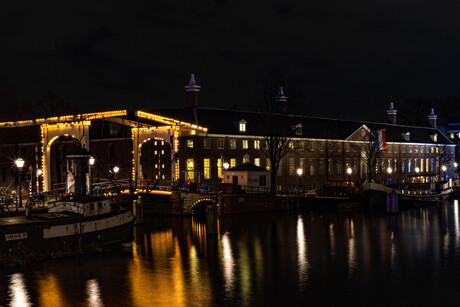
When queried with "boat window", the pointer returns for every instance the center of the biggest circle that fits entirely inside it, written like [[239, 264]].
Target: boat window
[[99, 205]]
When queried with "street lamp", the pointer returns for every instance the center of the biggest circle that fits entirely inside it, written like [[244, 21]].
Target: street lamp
[[299, 172], [19, 164], [115, 170], [444, 168], [349, 171], [226, 165]]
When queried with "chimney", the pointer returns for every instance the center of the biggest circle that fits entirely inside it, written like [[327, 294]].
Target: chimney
[[392, 112], [432, 118], [192, 90], [281, 100]]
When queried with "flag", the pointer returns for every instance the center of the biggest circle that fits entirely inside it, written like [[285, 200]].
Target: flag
[[380, 139]]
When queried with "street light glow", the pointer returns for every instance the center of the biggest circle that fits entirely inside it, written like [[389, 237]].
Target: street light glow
[[91, 161], [417, 170], [226, 165], [19, 163], [390, 170], [116, 169], [39, 172], [444, 168], [349, 170], [299, 171]]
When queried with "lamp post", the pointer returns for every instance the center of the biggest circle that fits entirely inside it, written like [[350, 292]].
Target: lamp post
[[19, 164], [90, 170], [444, 168], [116, 169], [299, 172], [226, 165], [349, 171], [389, 171]]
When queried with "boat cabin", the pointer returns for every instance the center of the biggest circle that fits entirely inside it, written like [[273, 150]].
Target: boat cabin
[[86, 207]]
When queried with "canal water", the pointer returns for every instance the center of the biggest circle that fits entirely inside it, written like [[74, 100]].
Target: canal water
[[270, 259]]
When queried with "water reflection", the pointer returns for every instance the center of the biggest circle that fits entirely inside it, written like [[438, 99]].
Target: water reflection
[[94, 294], [17, 292], [306, 258], [49, 290], [228, 264], [301, 252]]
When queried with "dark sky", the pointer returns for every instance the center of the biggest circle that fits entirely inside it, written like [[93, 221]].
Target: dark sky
[[341, 58]]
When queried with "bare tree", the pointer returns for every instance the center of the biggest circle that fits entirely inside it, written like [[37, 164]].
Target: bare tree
[[370, 153]]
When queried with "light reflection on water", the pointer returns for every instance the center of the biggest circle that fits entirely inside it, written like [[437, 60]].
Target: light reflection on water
[[280, 258], [19, 296]]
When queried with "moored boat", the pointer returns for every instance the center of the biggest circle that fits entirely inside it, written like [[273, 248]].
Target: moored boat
[[408, 194], [73, 223]]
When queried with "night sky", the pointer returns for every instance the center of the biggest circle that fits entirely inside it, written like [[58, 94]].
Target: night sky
[[338, 58]]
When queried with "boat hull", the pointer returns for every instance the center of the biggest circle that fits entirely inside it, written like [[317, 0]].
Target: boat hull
[[44, 233]]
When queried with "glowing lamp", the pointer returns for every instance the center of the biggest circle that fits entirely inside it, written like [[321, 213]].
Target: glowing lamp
[[226, 165], [299, 171], [349, 170], [19, 163]]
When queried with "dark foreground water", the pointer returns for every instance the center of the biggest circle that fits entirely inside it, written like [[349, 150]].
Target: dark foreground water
[[344, 258]]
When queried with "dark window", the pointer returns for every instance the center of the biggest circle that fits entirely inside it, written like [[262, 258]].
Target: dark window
[[111, 150], [91, 206], [263, 180], [99, 205]]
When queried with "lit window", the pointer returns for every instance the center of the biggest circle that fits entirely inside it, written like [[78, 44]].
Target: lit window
[[256, 144], [232, 162], [321, 146], [156, 152], [451, 135], [155, 143], [267, 161], [162, 152], [162, 143], [245, 144], [257, 161], [243, 125], [207, 168], [232, 144], [189, 143], [347, 147], [190, 169], [162, 166], [219, 168], [312, 146], [291, 145]]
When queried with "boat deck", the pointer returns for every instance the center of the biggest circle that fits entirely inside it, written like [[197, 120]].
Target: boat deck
[[22, 220]]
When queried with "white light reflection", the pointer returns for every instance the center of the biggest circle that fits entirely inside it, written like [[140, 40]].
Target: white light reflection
[[17, 291], [456, 223], [94, 293], [301, 252], [228, 264], [351, 249]]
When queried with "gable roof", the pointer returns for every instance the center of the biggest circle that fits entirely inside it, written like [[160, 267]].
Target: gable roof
[[222, 121], [247, 167]]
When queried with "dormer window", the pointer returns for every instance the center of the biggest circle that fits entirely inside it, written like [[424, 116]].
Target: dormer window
[[243, 125], [298, 129], [434, 137]]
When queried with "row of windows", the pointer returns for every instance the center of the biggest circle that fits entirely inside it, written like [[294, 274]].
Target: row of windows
[[333, 166], [330, 146]]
